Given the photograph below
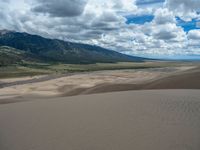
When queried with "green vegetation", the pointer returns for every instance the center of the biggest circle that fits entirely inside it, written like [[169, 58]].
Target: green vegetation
[[32, 69], [98, 66], [10, 56], [17, 63], [20, 71]]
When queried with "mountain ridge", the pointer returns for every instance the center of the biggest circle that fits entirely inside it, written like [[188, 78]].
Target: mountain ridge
[[62, 51]]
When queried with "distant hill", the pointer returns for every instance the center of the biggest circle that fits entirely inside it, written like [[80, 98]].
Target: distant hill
[[10, 56], [56, 50]]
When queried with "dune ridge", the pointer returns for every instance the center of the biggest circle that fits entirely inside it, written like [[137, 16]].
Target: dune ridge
[[153, 120]]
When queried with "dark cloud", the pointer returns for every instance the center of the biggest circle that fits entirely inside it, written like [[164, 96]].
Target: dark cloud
[[5, 1], [186, 5], [109, 17], [185, 9], [60, 8], [165, 35]]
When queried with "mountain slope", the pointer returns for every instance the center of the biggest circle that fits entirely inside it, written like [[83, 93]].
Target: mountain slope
[[10, 56], [61, 51]]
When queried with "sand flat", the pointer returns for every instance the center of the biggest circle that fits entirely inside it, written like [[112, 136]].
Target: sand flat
[[91, 82], [153, 120]]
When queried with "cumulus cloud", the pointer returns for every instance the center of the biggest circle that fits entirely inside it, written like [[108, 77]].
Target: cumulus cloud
[[194, 34], [163, 27], [60, 8], [186, 9], [103, 23], [163, 16], [193, 41]]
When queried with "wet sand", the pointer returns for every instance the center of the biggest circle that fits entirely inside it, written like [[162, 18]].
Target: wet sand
[[141, 120]]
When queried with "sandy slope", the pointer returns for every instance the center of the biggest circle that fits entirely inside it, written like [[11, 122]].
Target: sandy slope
[[92, 82], [141, 120], [185, 80], [189, 79]]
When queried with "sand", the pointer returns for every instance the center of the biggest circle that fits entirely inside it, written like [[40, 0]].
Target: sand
[[187, 79], [184, 80], [141, 120], [36, 113], [96, 82]]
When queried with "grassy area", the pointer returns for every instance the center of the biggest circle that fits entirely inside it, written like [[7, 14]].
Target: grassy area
[[32, 69], [17, 63], [98, 66], [20, 71]]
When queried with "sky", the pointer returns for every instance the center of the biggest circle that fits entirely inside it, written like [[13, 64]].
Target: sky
[[148, 28]]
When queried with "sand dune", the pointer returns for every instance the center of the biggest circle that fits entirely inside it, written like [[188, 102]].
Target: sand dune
[[186, 80], [100, 81], [141, 120], [189, 79], [45, 119]]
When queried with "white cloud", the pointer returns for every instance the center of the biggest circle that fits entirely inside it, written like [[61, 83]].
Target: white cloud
[[193, 39], [194, 34], [103, 22], [60, 8], [163, 16], [186, 9]]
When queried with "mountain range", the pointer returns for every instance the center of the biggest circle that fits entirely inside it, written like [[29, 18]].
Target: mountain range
[[16, 47]]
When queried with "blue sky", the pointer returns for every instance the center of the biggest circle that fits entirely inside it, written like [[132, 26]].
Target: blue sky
[[149, 28], [188, 25], [142, 19], [148, 2]]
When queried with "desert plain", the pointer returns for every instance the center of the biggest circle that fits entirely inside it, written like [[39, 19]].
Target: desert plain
[[150, 108]]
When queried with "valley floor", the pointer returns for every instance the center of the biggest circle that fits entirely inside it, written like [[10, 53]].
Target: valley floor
[[159, 109], [71, 84]]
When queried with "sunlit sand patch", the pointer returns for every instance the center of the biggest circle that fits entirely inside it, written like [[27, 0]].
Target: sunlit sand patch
[[56, 87]]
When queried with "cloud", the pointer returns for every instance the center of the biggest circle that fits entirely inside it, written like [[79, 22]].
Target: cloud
[[163, 16], [60, 8], [194, 34], [5, 1], [193, 41], [147, 2], [185, 9], [113, 24], [198, 24]]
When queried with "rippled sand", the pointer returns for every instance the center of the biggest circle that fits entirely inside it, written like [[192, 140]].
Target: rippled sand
[[140, 120]]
